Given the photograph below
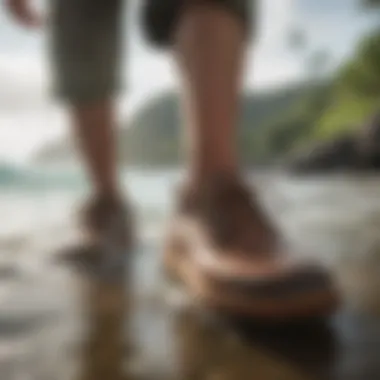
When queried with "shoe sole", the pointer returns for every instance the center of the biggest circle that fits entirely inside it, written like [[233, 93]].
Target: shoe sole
[[204, 290]]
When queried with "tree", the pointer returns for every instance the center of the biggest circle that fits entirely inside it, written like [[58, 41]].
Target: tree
[[362, 75]]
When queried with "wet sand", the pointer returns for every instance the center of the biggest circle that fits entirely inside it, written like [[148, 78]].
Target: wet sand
[[57, 323]]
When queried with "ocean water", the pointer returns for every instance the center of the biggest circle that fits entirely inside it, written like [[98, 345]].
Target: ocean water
[[43, 307], [337, 216], [33, 197]]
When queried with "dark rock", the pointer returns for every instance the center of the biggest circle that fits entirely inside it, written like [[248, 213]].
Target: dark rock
[[369, 143], [355, 151], [334, 155]]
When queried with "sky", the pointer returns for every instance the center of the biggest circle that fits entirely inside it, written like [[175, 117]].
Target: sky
[[31, 117]]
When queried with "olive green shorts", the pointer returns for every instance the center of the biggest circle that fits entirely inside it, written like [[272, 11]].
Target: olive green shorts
[[86, 40]]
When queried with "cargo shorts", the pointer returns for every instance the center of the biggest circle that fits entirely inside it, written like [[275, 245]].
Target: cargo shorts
[[86, 40]]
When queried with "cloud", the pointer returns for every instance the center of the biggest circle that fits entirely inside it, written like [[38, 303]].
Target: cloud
[[276, 17], [28, 116], [24, 82], [21, 134]]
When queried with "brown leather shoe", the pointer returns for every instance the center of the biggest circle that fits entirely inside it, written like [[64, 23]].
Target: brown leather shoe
[[107, 237], [222, 247]]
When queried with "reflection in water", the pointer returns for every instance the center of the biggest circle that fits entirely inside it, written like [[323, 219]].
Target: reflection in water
[[106, 306], [204, 347], [311, 346], [210, 350]]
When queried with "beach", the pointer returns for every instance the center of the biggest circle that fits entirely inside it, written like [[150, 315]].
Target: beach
[[56, 323]]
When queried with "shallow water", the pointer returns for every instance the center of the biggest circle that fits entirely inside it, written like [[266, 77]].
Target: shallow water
[[57, 324]]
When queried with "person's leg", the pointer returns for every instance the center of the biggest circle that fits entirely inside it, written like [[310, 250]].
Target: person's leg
[[94, 128], [85, 52], [209, 46], [222, 244]]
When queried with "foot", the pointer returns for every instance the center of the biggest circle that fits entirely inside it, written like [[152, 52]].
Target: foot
[[106, 237], [225, 249]]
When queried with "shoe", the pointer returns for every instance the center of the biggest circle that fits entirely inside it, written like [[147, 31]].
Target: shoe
[[223, 249], [107, 238]]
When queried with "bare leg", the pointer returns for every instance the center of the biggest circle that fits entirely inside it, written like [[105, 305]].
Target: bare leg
[[210, 44], [94, 126]]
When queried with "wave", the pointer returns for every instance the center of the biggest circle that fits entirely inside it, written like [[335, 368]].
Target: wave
[[24, 177]]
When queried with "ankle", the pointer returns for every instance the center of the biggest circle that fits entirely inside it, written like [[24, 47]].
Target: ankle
[[205, 175], [108, 194]]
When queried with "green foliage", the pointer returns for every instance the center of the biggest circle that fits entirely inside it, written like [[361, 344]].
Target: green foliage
[[330, 109], [356, 92], [361, 76]]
